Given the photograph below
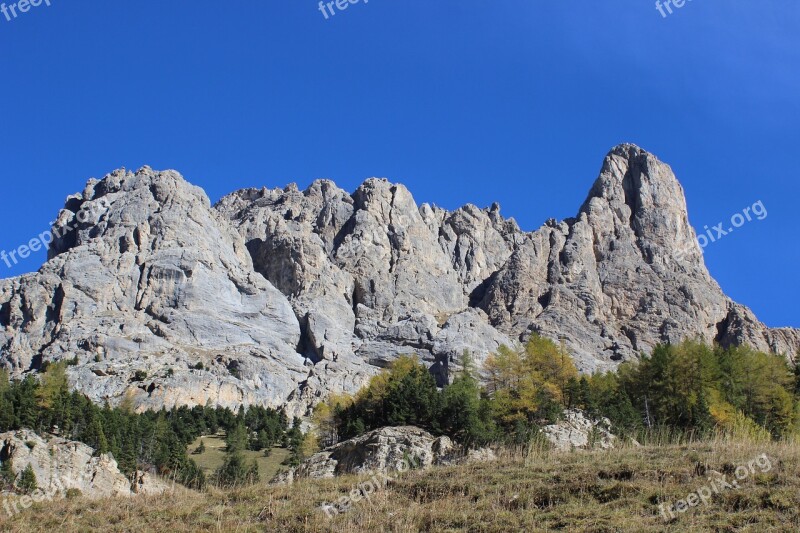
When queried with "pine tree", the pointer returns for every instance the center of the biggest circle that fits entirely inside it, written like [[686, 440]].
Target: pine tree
[[412, 397], [237, 440], [701, 415], [27, 480], [463, 415], [586, 399], [572, 392], [6, 403], [27, 412], [7, 475], [797, 374], [53, 385], [235, 472]]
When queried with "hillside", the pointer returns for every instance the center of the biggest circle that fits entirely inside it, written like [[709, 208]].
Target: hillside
[[617, 490]]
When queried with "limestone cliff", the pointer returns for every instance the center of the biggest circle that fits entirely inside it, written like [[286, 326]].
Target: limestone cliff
[[279, 296]]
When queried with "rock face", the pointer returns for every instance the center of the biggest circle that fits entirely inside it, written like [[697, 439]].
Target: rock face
[[578, 431], [383, 450], [61, 465], [280, 296]]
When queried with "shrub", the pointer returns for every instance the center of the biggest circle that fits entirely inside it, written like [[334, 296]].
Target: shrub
[[235, 472]]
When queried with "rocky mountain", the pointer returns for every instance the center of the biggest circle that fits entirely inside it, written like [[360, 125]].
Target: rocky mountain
[[279, 296]]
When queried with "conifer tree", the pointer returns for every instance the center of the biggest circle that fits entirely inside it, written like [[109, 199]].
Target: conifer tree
[[27, 480], [463, 415]]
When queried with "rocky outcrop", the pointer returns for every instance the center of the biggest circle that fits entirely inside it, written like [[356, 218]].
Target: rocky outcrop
[[146, 278], [380, 451], [372, 276], [577, 431], [61, 465], [280, 296]]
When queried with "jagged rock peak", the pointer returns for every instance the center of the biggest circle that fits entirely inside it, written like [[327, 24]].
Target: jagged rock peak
[[280, 296], [641, 192]]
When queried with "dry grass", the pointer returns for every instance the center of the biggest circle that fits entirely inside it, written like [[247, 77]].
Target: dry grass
[[617, 490]]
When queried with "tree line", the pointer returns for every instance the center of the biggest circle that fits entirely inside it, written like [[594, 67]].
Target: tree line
[[524, 389], [689, 388], [693, 387], [151, 441]]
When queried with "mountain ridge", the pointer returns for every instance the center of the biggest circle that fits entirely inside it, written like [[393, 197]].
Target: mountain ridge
[[285, 295]]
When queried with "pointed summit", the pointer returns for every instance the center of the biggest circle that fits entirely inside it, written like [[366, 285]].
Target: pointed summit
[[636, 190]]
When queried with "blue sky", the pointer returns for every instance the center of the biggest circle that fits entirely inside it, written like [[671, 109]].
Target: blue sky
[[515, 101]]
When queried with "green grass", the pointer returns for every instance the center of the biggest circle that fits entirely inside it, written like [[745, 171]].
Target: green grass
[[214, 455]]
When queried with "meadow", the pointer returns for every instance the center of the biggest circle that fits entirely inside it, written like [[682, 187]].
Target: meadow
[[524, 490]]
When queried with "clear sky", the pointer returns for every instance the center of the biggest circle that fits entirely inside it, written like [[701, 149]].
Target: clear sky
[[515, 101]]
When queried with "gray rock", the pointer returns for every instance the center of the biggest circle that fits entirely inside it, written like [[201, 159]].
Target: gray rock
[[285, 295], [468, 331], [389, 449], [610, 283], [61, 465], [156, 281], [577, 431]]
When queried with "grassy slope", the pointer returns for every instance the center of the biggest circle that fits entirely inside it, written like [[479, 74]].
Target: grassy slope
[[580, 491], [212, 458]]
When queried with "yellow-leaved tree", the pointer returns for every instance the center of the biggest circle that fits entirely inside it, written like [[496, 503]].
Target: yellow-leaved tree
[[325, 419], [528, 384], [53, 385]]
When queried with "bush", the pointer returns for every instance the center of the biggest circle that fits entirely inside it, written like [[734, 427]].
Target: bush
[[234, 472]]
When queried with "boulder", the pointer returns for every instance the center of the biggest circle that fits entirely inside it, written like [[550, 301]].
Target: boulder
[[383, 450], [576, 430]]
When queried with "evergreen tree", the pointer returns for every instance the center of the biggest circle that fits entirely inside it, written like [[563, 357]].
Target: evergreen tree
[[294, 442], [464, 415], [235, 472], [27, 410], [201, 449], [7, 475], [701, 415], [796, 375], [7, 417], [27, 480], [237, 439], [412, 398], [95, 435], [53, 386], [586, 399]]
